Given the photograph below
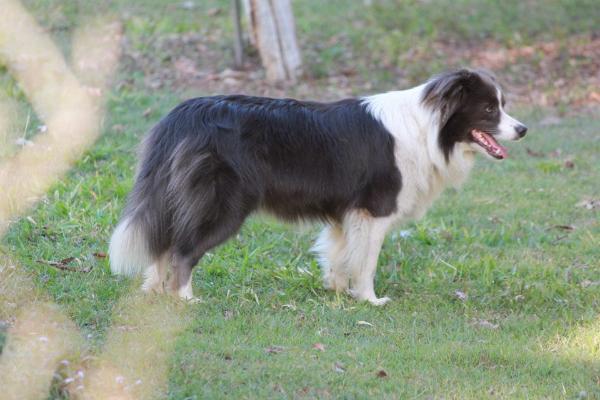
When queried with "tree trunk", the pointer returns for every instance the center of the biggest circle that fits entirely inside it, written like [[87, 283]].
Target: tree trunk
[[273, 31], [238, 47]]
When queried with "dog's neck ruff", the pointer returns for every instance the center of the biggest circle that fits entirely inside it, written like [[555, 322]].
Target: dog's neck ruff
[[416, 128]]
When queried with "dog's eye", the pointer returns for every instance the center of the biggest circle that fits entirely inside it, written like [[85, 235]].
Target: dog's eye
[[490, 108]]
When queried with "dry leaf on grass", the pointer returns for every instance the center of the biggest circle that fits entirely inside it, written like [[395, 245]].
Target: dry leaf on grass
[[589, 204], [382, 374], [339, 367], [64, 265], [569, 164], [534, 153], [274, 349], [319, 346], [462, 296], [483, 323], [564, 227]]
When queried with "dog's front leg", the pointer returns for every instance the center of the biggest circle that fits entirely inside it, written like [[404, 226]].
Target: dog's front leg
[[364, 235]]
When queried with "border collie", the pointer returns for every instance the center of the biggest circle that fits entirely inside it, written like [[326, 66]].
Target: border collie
[[360, 165]]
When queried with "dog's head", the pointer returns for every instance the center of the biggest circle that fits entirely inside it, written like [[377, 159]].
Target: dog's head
[[471, 109]]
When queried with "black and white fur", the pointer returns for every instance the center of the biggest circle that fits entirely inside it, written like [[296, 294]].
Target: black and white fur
[[359, 165]]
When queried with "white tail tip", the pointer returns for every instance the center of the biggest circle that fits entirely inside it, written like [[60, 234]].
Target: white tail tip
[[128, 250]]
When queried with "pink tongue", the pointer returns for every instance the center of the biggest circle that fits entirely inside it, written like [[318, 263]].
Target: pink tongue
[[499, 150], [495, 147]]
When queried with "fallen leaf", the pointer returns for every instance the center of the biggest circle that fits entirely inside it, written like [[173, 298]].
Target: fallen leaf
[[67, 260], [462, 296], [382, 374], [99, 255], [564, 227], [587, 283], [319, 346], [589, 204], [147, 112], [482, 323], [495, 219], [64, 265], [534, 153], [213, 11], [569, 164], [274, 349], [349, 71], [364, 323]]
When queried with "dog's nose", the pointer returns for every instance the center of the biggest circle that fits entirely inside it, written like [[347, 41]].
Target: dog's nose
[[521, 130]]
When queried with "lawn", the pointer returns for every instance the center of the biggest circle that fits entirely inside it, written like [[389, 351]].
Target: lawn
[[496, 291]]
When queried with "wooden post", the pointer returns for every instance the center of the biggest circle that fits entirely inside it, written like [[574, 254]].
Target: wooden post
[[238, 45], [274, 31]]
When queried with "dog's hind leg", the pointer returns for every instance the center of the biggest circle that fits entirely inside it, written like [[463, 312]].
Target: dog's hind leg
[[365, 235], [331, 249], [218, 219], [210, 203], [180, 281], [186, 256], [155, 275]]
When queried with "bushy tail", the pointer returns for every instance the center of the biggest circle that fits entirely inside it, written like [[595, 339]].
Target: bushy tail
[[128, 250]]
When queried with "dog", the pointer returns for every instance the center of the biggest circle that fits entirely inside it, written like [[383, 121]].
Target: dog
[[360, 165]]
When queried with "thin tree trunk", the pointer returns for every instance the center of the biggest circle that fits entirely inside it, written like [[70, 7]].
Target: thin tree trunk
[[238, 46], [274, 31]]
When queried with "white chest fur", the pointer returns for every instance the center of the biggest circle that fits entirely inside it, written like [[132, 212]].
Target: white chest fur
[[425, 171]]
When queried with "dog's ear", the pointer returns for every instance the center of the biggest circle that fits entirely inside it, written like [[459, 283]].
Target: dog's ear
[[446, 92]]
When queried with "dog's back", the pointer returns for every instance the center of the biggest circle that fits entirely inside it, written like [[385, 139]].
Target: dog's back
[[212, 161]]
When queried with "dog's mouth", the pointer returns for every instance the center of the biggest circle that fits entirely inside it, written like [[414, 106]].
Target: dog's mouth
[[490, 144]]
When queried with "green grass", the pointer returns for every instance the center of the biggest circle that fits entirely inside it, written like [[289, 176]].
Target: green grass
[[338, 35], [494, 240], [497, 240]]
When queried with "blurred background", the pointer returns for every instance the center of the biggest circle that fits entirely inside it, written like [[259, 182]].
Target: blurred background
[[546, 52]]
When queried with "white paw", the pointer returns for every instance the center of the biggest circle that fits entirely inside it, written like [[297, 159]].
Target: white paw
[[328, 282], [379, 301], [188, 297], [337, 283], [192, 300], [368, 296], [152, 288]]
